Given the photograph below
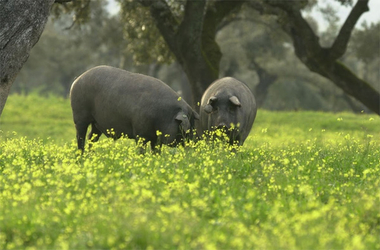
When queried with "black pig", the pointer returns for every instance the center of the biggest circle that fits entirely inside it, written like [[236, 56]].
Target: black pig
[[130, 104], [227, 102]]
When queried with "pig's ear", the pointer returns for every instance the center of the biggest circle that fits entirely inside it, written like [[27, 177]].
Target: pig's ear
[[208, 107], [183, 120], [235, 101], [212, 99]]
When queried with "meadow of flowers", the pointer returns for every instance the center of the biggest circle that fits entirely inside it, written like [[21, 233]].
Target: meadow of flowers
[[302, 180]]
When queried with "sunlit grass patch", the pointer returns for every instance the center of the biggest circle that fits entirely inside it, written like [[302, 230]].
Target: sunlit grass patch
[[37, 117]]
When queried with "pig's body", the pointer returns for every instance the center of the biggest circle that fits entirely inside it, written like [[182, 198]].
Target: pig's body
[[130, 104], [228, 101]]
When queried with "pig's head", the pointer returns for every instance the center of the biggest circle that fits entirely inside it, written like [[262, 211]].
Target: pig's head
[[225, 112], [186, 122]]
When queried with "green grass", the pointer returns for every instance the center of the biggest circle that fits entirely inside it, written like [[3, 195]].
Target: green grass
[[302, 180], [37, 117]]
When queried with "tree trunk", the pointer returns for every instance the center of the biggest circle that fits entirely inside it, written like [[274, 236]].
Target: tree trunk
[[193, 40], [22, 23], [200, 77]]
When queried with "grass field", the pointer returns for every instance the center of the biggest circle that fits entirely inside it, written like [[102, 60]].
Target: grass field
[[302, 180]]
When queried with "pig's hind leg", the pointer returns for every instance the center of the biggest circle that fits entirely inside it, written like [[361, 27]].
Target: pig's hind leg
[[81, 134]]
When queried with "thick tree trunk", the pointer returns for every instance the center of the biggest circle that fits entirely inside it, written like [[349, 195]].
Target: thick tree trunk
[[200, 77], [22, 23], [192, 41], [192, 52]]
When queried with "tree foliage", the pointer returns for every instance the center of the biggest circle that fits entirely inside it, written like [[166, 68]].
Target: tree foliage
[[144, 39], [80, 10], [366, 42]]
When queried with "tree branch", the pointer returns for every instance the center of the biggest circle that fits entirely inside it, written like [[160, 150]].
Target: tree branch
[[339, 46], [324, 60], [306, 43], [165, 22], [303, 35], [219, 11], [63, 1], [80, 12]]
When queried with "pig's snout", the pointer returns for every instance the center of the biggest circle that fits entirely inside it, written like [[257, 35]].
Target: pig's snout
[[222, 126]]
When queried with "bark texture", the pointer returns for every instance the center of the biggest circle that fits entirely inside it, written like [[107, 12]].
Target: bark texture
[[22, 23]]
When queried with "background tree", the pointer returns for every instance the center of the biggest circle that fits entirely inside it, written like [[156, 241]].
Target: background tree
[[189, 34], [319, 59], [256, 50]]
